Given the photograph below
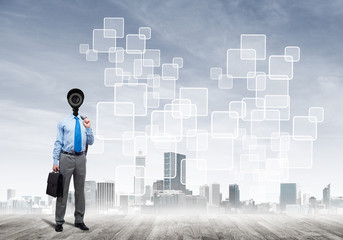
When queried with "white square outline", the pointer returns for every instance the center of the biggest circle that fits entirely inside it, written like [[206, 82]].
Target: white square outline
[[256, 35], [136, 51], [115, 18], [281, 77]]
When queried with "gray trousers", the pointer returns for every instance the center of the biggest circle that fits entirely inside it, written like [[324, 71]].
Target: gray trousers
[[75, 166]]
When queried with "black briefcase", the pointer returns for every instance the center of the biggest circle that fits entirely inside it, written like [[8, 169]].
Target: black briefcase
[[55, 184]]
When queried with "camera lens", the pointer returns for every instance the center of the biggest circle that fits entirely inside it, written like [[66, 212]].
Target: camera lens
[[75, 99]]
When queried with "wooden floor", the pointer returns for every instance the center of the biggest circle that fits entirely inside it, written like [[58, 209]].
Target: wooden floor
[[175, 227]]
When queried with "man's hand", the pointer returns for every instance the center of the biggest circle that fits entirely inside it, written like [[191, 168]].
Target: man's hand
[[56, 167], [87, 123]]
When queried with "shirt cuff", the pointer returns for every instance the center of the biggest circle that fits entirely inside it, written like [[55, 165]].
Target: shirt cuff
[[55, 162], [89, 130]]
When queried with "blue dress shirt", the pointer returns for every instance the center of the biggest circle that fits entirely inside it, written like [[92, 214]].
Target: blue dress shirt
[[65, 136]]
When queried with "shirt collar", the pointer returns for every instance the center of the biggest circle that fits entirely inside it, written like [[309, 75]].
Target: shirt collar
[[72, 116]]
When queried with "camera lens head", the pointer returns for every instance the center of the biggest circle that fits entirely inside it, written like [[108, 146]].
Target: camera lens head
[[75, 97]]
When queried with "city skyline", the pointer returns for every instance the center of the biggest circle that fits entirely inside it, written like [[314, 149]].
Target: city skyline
[[176, 168], [103, 199], [103, 192]]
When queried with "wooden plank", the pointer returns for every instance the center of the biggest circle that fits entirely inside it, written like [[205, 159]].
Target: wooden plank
[[160, 228], [210, 227]]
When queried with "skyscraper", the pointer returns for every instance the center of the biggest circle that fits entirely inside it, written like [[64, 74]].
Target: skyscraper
[[139, 178], [215, 194], [147, 194], [234, 195], [326, 196], [10, 193], [172, 171], [205, 192], [288, 194], [105, 195], [158, 185]]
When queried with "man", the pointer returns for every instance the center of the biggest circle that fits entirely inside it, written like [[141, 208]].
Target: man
[[69, 158]]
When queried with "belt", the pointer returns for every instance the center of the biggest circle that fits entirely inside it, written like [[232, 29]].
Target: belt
[[72, 153]]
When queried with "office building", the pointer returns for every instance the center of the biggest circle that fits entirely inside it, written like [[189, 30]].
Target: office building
[[215, 194], [173, 179], [147, 194], [288, 194], [158, 185], [36, 200], [10, 193], [306, 197], [313, 202], [169, 199], [234, 195], [139, 179], [326, 196], [105, 195], [205, 192]]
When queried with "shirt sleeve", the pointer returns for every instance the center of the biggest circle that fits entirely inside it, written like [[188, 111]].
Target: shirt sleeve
[[90, 136], [58, 143]]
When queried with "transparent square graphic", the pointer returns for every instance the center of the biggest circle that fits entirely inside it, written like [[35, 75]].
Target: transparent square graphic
[[178, 61], [256, 42], [102, 44], [135, 43], [316, 114], [91, 55], [215, 73], [294, 52], [83, 48], [116, 24], [145, 32]]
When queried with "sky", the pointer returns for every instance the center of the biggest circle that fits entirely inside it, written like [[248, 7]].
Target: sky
[[40, 63]]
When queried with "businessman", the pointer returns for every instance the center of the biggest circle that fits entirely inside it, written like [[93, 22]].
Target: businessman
[[69, 158]]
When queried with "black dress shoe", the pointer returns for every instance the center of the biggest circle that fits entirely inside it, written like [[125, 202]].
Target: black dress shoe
[[59, 228], [82, 226]]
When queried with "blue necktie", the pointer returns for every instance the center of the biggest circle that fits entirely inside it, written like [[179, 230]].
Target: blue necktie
[[77, 137]]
